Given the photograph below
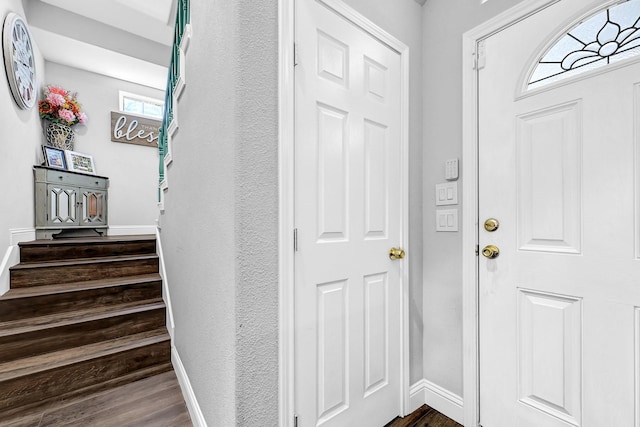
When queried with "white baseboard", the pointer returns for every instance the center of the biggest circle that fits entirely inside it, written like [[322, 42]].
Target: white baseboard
[[440, 399], [165, 285], [12, 255], [11, 258], [416, 395], [444, 401], [189, 396], [130, 230], [18, 235]]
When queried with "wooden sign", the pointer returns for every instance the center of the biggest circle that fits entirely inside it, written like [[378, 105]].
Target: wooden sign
[[134, 129]]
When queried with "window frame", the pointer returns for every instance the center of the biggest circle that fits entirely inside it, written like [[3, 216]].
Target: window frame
[[527, 87], [122, 95]]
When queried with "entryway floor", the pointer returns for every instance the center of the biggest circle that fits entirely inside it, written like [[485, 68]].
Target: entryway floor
[[424, 416]]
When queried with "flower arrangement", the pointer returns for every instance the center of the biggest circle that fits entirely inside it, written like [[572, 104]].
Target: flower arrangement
[[61, 106]]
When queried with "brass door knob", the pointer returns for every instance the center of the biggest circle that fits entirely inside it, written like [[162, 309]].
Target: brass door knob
[[396, 253], [491, 224], [491, 251]]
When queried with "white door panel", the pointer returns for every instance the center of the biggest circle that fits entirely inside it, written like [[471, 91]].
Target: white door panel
[[558, 306], [348, 292]]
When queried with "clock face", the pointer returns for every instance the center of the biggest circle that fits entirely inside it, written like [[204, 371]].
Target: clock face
[[19, 61]]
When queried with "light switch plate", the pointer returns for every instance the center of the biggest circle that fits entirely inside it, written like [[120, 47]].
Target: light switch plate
[[447, 194], [447, 220], [451, 169]]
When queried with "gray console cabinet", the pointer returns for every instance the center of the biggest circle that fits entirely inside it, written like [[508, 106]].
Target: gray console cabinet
[[69, 203]]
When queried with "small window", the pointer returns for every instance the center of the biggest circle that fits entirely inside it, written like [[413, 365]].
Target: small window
[[138, 104], [608, 36]]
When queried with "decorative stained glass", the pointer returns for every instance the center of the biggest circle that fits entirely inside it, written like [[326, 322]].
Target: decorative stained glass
[[608, 36]]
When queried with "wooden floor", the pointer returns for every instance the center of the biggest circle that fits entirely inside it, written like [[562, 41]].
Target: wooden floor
[[424, 416], [153, 402]]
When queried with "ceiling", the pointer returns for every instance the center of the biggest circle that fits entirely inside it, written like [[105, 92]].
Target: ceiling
[[125, 39]]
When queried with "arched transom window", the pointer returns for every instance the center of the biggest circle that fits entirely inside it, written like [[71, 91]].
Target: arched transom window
[[610, 35]]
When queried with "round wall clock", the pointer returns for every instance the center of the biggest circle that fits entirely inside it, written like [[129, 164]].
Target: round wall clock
[[19, 61]]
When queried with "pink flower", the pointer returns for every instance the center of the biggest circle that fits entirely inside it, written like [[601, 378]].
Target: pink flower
[[56, 99], [67, 115], [82, 117], [57, 90]]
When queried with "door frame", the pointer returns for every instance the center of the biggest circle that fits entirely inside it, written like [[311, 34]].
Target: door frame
[[286, 177]]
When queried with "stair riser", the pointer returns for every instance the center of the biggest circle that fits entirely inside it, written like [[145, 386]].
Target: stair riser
[[42, 305], [66, 337], [53, 251], [39, 276], [48, 384]]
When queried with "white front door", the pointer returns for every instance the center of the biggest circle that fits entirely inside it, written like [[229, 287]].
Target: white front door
[[348, 210], [559, 307]]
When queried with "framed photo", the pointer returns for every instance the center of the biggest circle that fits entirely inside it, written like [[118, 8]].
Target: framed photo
[[78, 162], [54, 157]]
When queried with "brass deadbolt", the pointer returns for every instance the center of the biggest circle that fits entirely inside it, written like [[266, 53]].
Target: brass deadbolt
[[491, 224]]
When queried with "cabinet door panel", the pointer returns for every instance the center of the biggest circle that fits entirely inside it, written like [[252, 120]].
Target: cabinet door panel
[[94, 207], [62, 205]]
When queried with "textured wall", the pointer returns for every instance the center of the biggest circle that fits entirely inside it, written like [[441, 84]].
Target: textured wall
[[21, 136], [403, 20], [257, 214], [132, 169], [220, 225], [444, 22], [198, 227]]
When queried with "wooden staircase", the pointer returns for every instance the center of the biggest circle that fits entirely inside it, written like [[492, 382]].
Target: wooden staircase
[[83, 316]]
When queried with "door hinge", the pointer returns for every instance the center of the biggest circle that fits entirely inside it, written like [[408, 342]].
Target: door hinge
[[477, 250], [295, 54], [295, 240], [481, 55], [295, 421]]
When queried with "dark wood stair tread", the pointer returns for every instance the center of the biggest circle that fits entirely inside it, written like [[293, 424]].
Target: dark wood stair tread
[[81, 261], [21, 326], [125, 409], [80, 248], [80, 269], [86, 285], [103, 406], [110, 402], [89, 240], [58, 359]]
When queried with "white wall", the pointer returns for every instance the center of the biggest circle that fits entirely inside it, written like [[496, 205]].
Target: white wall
[[403, 20], [444, 22], [21, 136], [132, 169]]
